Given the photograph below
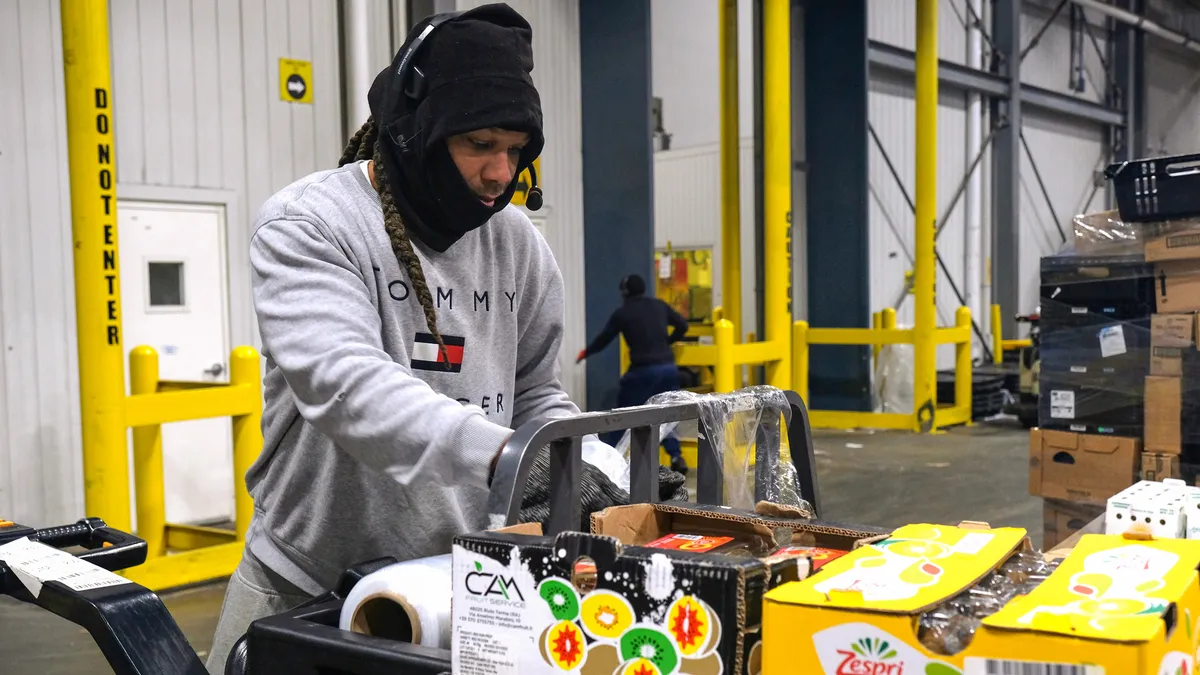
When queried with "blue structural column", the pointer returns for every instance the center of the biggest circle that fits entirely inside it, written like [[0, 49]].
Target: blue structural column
[[618, 169], [835, 132], [1006, 167]]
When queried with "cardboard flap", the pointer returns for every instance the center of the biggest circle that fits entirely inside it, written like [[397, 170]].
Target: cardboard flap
[[1100, 445], [1057, 441], [916, 568], [1108, 588]]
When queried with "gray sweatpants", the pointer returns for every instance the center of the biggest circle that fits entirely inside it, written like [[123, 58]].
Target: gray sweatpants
[[254, 592]]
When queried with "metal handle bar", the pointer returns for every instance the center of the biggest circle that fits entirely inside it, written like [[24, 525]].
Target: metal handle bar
[[564, 436]]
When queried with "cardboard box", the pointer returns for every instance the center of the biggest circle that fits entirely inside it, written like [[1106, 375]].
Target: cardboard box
[[1170, 336], [1177, 285], [1164, 412], [1159, 465], [1114, 606], [1061, 519], [597, 604], [1181, 243], [1081, 467]]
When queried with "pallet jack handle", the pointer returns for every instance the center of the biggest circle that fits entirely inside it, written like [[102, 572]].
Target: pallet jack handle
[[564, 436]]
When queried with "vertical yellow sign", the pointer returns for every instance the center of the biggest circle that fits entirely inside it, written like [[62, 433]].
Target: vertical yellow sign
[[93, 175], [295, 81]]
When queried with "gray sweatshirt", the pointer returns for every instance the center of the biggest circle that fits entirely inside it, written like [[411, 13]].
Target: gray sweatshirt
[[372, 447]]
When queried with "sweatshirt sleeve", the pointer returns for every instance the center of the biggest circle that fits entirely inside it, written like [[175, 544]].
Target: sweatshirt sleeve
[[321, 329], [539, 393]]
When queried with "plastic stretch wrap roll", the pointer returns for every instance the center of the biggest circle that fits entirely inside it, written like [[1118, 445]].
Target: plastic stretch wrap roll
[[408, 601]]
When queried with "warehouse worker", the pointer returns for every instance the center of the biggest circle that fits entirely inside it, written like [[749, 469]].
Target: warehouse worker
[[643, 321], [410, 319]]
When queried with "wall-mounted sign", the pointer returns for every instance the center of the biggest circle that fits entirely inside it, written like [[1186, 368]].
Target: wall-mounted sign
[[295, 81]]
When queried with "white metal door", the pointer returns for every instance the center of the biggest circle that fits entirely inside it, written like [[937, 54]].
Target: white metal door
[[174, 298]]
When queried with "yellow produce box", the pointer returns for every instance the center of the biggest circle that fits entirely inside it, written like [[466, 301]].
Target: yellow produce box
[[1114, 606]]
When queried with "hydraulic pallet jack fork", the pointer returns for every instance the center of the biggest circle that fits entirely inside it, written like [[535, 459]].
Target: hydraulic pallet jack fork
[[129, 623]]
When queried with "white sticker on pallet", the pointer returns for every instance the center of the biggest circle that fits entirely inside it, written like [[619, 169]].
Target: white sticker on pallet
[[35, 563], [1062, 404], [1112, 341]]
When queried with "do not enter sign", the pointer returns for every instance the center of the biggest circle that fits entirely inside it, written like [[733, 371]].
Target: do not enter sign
[[295, 81]]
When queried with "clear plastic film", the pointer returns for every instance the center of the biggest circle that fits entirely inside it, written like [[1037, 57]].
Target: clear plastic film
[[734, 424], [893, 386], [950, 627], [1104, 233]]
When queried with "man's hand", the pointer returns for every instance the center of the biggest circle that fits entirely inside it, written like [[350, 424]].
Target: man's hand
[[582, 355]]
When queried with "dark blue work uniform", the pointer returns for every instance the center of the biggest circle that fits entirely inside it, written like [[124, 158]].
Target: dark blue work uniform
[[644, 321]]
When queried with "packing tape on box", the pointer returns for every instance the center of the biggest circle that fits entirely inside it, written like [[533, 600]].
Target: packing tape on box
[[407, 601]]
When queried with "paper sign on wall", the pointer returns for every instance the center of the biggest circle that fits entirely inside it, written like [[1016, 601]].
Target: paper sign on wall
[[295, 81]]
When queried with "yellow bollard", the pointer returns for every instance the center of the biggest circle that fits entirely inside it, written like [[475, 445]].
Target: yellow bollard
[[876, 324], [148, 458], [723, 373], [800, 359], [888, 319], [623, 348], [925, 250], [247, 434], [91, 161], [777, 179], [963, 374], [752, 378], [997, 337]]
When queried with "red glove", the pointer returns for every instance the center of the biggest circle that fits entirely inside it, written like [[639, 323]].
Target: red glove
[[582, 355]]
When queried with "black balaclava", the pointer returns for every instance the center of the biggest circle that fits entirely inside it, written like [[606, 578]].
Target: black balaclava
[[476, 69], [633, 286]]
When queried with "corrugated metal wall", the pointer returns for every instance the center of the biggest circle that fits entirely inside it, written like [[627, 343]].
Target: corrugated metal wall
[[557, 76], [196, 110], [40, 465], [1065, 152]]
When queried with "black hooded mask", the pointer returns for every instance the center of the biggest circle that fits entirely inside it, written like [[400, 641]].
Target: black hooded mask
[[471, 72]]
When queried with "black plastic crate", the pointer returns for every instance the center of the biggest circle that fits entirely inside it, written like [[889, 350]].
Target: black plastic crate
[[1113, 407], [1057, 316], [1157, 188]]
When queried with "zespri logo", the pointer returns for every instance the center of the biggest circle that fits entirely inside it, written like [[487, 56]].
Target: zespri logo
[[863, 649], [870, 656]]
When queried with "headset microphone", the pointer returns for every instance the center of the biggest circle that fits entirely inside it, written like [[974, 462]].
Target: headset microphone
[[533, 198]]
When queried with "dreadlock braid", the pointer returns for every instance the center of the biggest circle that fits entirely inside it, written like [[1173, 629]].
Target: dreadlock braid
[[365, 145]]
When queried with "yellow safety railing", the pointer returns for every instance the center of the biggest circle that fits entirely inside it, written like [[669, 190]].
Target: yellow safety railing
[[934, 417], [185, 554], [999, 344]]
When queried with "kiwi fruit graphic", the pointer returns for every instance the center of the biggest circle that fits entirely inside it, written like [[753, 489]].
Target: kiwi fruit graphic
[[542, 646], [709, 665], [754, 660], [650, 644], [562, 599], [602, 659], [638, 667]]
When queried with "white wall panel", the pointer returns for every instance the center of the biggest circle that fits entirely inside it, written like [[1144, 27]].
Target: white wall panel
[[196, 110], [1067, 156], [1172, 100], [894, 22], [40, 458], [687, 211], [556, 73], [1048, 64], [685, 46]]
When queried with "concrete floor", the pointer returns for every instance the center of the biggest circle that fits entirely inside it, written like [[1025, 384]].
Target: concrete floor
[[879, 478]]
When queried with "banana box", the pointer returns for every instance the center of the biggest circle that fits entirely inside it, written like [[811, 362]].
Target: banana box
[[1114, 606]]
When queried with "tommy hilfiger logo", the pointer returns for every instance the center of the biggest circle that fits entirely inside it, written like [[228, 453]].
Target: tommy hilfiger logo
[[426, 355]]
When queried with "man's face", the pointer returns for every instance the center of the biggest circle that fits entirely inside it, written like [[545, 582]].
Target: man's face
[[487, 160]]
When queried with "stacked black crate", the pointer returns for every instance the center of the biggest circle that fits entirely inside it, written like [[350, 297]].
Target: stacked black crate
[[1095, 343]]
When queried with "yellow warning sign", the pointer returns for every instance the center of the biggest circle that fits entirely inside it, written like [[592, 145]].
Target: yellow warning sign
[[525, 181], [295, 81]]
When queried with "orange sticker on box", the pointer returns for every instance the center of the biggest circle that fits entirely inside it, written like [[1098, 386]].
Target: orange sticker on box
[[689, 542], [819, 556]]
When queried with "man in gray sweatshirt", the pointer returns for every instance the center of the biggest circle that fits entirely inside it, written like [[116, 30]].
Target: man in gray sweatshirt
[[410, 319]]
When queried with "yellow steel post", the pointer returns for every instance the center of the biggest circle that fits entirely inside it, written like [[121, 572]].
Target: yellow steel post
[[247, 434], [888, 319], [91, 159], [149, 490], [723, 376], [731, 230], [752, 369], [997, 337], [876, 324], [800, 359], [623, 348], [925, 319], [963, 374], [777, 179]]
